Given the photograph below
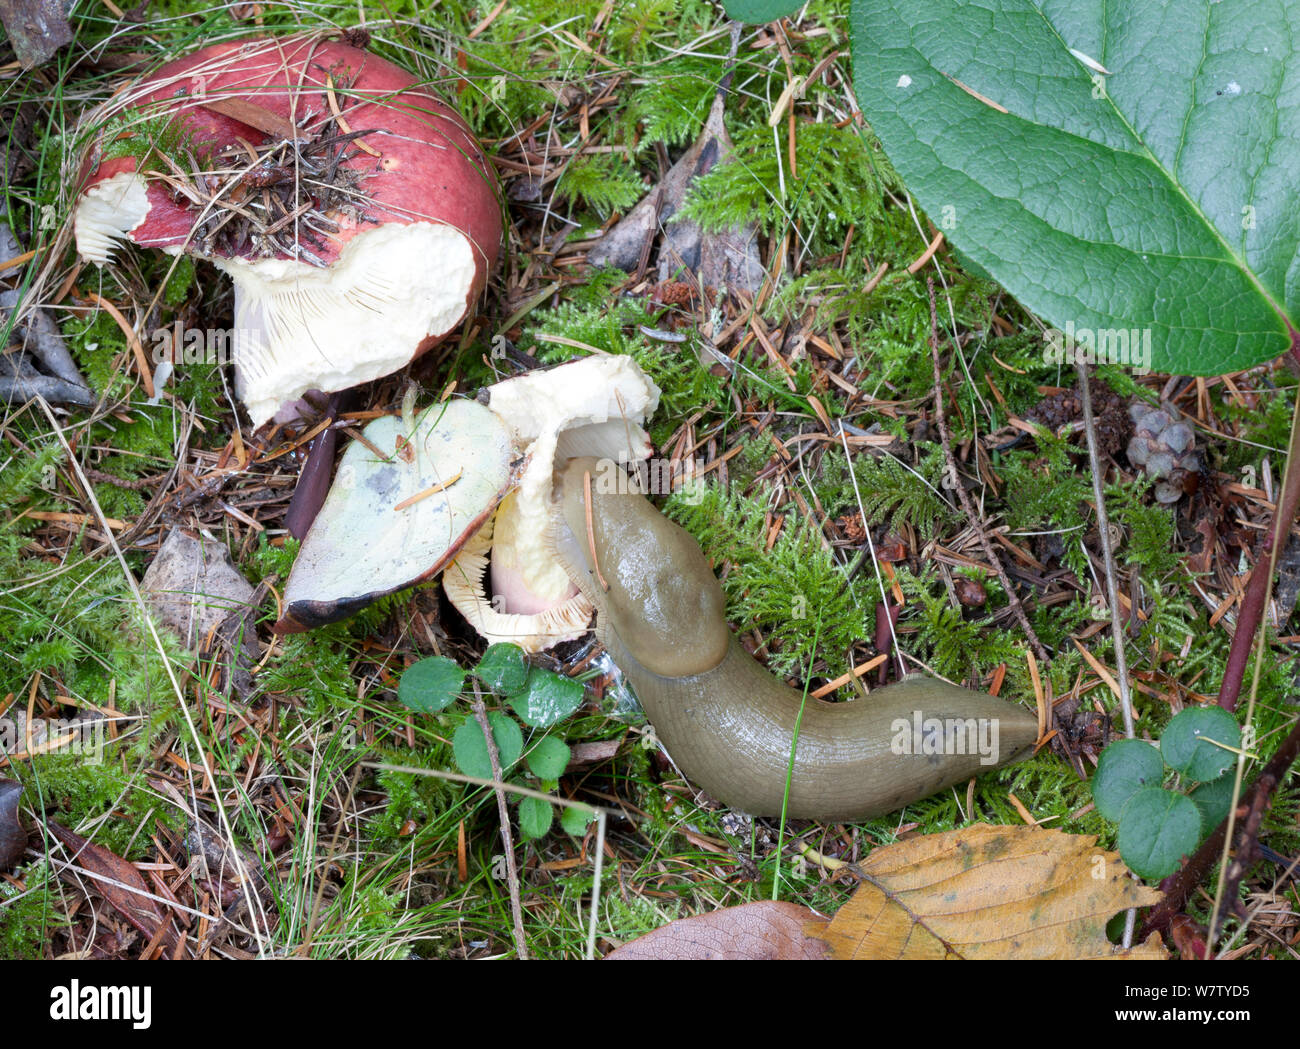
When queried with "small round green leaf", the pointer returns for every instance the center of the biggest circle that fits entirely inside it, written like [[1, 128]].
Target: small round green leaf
[[548, 698], [503, 669], [534, 817], [548, 758], [469, 745], [1213, 799], [1186, 742], [575, 821], [1158, 828], [431, 684], [1125, 767]]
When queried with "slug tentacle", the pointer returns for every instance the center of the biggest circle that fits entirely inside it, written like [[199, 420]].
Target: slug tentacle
[[726, 721]]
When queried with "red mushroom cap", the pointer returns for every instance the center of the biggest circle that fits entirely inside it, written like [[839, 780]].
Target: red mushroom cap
[[393, 234]]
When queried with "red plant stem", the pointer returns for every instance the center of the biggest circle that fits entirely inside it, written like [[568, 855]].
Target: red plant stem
[[1252, 601], [1182, 884], [886, 620]]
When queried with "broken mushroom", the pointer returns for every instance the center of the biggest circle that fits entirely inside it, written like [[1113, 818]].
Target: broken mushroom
[[445, 489], [534, 618], [595, 406], [406, 498], [352, 208]]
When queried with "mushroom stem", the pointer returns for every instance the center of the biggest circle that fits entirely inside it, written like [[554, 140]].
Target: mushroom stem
[[314, 481]]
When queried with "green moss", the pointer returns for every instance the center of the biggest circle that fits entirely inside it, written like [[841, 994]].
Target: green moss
[[411, 797], [890, 491], [29, 917], [953, 643], [99, 347], [1050, 495], [267, 559], [135, 133], [179, 281], [1265, 428], [80, 794], [613, 328], [606, 182], [315, 666], [671, 106], [839, 181]]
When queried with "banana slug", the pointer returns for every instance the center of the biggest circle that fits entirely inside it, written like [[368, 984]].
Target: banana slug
[[725, 720]]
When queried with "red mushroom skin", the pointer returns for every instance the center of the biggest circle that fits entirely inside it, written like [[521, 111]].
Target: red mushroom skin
[[429, 170]]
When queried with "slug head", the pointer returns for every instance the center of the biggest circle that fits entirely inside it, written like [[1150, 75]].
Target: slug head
[[662, 600]]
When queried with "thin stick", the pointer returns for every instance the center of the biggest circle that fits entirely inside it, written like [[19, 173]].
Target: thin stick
[[844, 679], [926, 255], [591, 529], [595, 884], [441, 486], [1281, 527], [1256, 595], [1107, 553], [963, 496], [1112, 587], [883, 609], [507, 840], [339, 119]]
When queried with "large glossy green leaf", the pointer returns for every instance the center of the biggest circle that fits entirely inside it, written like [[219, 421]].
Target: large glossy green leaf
[[761, 10], [1142, 177]]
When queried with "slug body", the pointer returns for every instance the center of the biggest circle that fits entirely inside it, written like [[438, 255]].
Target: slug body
[[726, 721]]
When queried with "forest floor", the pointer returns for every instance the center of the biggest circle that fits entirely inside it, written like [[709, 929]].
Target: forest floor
[[805, 399]]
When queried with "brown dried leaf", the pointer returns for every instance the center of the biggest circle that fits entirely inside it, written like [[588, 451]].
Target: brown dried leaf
[[193, 586], [989, 892], [1188, 937], [13, 839], [1200, 563], [729, 258], [581, 754], [758, 931], [119, 883], [254, 116]]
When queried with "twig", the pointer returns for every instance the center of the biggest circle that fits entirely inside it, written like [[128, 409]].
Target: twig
[[1256, 595], [43, 339], [1248, 848], [30, 385], [507, 840], [950, 465], [1107, 553], [1112, 587]]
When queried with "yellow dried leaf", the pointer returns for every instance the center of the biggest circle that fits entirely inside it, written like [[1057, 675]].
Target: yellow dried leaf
[[989, 892]]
